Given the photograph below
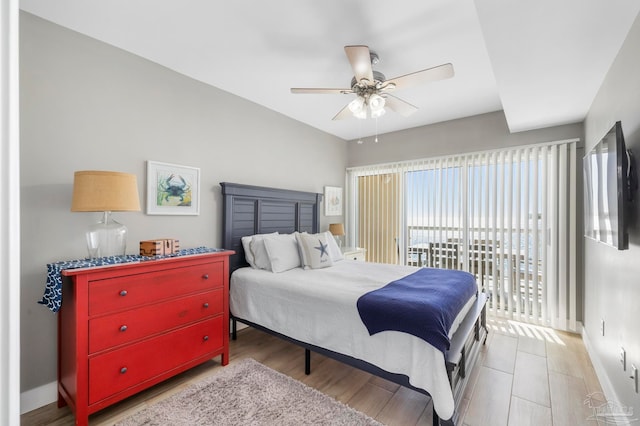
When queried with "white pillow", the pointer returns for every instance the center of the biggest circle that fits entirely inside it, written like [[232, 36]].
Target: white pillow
[[334, 250], [303, 258], [260, 257], [315, 250], [246, 244], [282, 251]]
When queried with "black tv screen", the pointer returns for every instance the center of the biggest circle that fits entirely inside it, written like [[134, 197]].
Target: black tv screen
[[606, 190]]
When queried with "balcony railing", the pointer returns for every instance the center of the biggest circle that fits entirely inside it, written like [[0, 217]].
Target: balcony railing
[[506, 267]]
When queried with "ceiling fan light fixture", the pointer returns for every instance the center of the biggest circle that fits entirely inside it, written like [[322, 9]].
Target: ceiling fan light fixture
[[356, 105], [376, 102], [362, 114], [375, 113]]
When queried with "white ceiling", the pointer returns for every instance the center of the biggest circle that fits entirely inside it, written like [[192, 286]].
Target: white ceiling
[[541, 61]]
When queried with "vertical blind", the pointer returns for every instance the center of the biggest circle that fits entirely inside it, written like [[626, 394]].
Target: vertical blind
[[507, 216]]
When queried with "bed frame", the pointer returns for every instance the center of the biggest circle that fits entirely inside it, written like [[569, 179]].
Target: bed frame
[[252, 210]]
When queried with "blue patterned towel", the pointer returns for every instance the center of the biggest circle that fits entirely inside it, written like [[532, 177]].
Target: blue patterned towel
[[52, 297]]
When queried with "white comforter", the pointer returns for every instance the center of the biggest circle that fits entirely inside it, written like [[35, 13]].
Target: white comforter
[[319, 307]]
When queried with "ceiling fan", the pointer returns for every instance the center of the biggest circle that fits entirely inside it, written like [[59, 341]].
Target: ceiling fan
[[372, 88]]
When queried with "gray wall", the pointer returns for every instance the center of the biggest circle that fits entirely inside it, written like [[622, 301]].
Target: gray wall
[[88, 105], [477, 133], [612, 277]]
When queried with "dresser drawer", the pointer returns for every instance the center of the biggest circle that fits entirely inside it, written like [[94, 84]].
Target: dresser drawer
[[115, 371], [132, 290], [127, 326]]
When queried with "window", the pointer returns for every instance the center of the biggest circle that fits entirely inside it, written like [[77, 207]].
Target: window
[[508, 217]]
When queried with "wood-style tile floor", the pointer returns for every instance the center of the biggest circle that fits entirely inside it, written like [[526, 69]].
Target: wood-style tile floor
[[526, 375]]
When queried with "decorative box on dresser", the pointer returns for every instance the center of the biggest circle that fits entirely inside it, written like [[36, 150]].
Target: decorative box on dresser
[[123, 328]]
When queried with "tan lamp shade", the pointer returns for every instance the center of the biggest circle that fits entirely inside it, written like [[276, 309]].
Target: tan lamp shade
[[99, 191], [336, 229]]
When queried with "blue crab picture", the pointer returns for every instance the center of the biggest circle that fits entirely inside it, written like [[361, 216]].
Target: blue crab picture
[[173, 190]]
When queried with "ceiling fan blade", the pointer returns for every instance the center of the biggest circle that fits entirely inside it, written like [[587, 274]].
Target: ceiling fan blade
[[431, 74], [319, 90], [398, 105], [360, 59], [343, 114]]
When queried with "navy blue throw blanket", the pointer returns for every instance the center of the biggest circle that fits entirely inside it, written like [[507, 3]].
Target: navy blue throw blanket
[[423, 304]]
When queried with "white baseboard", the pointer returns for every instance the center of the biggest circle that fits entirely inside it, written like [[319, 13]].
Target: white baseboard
[[607, 388], [605, 383], [38, 397]]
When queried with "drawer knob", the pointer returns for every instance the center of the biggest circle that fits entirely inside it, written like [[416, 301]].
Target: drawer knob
[[123, 370], [205, 338], [123, 292], [205, 304], [123, 328], [205, 276]]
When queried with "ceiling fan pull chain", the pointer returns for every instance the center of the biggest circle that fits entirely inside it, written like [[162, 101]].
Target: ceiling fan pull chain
[[376, 139]]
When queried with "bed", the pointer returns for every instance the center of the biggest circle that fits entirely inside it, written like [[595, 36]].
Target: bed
[[268, 301]]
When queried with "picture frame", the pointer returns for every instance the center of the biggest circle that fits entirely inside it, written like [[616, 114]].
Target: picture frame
[[172, 189], [332, 201]]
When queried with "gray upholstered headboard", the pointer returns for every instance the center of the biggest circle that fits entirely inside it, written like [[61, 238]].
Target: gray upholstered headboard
[[249, 210]]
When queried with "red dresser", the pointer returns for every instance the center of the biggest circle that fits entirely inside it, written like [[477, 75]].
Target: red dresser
[[125, 327]]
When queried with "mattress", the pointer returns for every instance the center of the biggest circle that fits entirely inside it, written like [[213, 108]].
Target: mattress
[[319, 307]]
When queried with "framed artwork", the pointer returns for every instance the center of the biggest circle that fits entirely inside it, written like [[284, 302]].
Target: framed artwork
[[332, 201], [172, 189]]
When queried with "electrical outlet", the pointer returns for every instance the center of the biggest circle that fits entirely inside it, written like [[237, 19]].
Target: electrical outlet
[[634, 377], [623, 358], [602, 326]]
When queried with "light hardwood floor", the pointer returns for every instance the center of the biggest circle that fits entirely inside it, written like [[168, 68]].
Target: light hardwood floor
[[526, 375]]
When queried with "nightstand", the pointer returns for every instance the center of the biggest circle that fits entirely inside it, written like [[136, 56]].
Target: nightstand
[[354, 253]]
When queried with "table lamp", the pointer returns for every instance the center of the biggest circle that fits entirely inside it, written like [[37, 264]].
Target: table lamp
[[106, 192], [337, 230]]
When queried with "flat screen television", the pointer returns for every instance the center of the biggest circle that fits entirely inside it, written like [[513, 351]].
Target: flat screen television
[[607, 190]]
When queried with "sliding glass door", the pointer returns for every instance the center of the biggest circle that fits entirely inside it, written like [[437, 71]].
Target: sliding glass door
[[508, 217]]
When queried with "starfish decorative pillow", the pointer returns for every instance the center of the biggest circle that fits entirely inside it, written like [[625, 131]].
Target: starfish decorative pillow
[[314, 250]]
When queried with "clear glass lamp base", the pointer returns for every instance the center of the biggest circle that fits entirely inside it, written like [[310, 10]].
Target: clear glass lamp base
[[107, 238]]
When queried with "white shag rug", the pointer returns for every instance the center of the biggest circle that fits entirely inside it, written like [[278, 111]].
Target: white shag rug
[[248, 393]]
